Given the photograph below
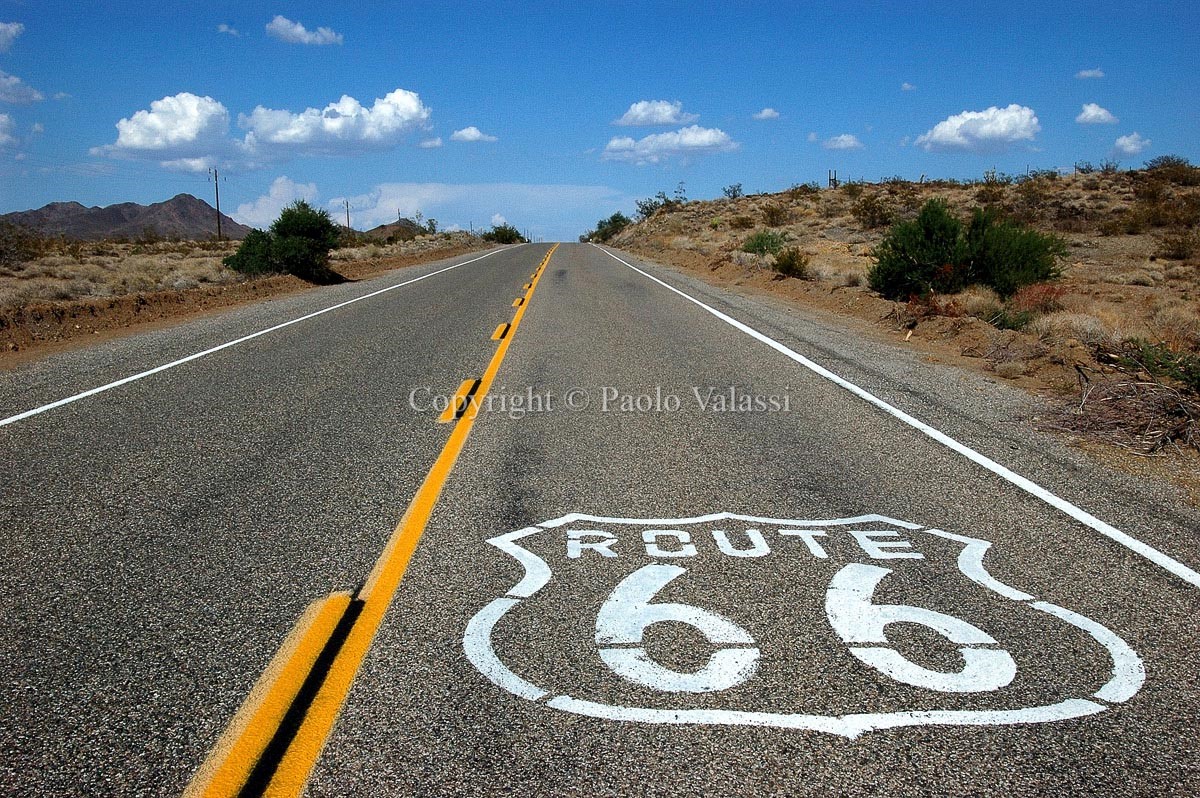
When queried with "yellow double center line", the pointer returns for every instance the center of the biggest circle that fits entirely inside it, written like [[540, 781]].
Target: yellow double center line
[[274, 740]]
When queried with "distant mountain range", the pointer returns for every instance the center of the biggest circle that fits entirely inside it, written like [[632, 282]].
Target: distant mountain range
[[183, 216]]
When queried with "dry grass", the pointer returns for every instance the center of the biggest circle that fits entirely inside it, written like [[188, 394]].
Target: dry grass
[[107, 270], [67, 271]]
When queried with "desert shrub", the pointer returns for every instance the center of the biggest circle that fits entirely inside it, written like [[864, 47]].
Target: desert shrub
[[1040, 298], [791, 263], [1007, 256], [935, 253], [1127, 223], [741, 223], [852, 190], [1010, 319], [504, 234], [607, 228], [919, 257], [715, 224], [17, 245], [254, 256], [652, 205], [775, 215], [871, 212], [298, 243], [1174, 169], [990, 194], [1159, 360], [732, 191], [1084, 167], [1109, 167], [764, 242], [801, 190], [661, 202], [1178, 246], [1150, 191]]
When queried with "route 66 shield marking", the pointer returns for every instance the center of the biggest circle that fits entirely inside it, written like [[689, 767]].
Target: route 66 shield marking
[[842, 625]]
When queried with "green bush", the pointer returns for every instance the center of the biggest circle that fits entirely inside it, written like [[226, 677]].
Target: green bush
[[1006, 256], [504, 234], [919, 257], [254, 255], [935, 253], [298, 243], [792, 263], [607, 228], [764, 242]]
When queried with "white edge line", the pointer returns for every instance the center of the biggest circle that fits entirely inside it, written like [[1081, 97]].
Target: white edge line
[[1152, 554], [141, 375]]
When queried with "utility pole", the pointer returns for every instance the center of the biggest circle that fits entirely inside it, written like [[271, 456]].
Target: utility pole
[[217, 185], [347, 204]]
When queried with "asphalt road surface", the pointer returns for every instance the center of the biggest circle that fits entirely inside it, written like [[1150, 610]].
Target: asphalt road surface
[[667, 541]]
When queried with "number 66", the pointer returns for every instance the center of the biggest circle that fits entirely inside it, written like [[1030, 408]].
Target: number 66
[[628, 612]]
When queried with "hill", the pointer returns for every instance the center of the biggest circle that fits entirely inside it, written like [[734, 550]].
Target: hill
[[401, 230], [181, 217]]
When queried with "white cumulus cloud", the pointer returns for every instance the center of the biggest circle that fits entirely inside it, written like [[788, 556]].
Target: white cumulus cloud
[[471, 133], [191, 133], [989, 130], [228, 30], [846, 141], [767, 113], [657, 147], [498, 220], [285, 30], [906, 86], [182, 125], [1133, 144], [343, 127], [9, 31], [655, 112], [1085, 74], [431, 144], [265, 210], [6, 131], [14, 90], [1093, 114]]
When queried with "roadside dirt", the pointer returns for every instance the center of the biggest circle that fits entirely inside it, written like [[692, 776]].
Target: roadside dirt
[[39, 328]]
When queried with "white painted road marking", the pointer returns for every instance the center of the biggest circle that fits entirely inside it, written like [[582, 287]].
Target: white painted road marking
[[142, 375], [1152, 554], [854, 618]]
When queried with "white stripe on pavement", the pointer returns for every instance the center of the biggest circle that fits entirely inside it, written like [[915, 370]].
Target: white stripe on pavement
[[1133, 544], [141, 375]]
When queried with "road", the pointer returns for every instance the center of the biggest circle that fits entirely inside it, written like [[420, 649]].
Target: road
[[676, 541]]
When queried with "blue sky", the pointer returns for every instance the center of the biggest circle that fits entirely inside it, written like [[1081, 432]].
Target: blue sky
[[553, 115]]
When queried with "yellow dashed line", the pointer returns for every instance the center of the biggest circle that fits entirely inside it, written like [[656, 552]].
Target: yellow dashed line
[[256, 724]]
